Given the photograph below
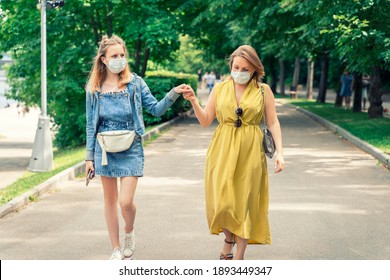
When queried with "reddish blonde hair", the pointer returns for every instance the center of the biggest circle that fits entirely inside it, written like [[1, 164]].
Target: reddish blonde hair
[[250, 54], [99, 70]]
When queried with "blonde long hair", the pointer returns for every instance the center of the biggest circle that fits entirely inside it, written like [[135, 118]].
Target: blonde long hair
[[99, 70], [250, 54]]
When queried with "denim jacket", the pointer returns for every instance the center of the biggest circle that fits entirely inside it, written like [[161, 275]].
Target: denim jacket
[[141, 98]]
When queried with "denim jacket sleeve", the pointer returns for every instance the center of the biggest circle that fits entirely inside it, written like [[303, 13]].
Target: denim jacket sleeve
[[156, 108], [90, 130]]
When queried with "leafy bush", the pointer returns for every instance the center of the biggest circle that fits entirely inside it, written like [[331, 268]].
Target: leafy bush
[[161, 82], [70, 111]]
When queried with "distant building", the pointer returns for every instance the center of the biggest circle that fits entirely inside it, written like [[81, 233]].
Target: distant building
[[6, 59]]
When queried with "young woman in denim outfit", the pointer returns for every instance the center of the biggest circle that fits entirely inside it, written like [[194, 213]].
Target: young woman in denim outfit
[[114, 101]]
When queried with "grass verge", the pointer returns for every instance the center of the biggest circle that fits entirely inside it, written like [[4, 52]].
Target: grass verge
[[62, 160], [373, 131]]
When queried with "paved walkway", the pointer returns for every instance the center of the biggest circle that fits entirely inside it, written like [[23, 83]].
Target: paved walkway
[[331, 202], [17, 133]]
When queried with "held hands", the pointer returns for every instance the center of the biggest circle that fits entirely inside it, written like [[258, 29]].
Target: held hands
[[190, 95], [187, 91]]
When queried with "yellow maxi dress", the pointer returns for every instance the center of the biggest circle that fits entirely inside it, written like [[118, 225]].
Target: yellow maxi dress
[[236, 177]]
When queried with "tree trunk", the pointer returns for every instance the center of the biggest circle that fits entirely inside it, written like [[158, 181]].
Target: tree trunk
[[274, 75], [109, 19], [324, 78], [375, 94], [94, 25], [137, 54], [339, 99], [357, 98], [294, 84], [145, 62], [310, 78], [281, 76]]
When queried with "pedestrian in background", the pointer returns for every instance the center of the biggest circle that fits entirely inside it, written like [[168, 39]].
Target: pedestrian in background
[[114, 100], [199, 78], [346, 88], [210, 81], [236, 175], [205, 78], [365, 88]]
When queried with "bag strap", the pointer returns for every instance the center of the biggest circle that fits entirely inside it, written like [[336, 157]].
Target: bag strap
[[103, 146], [264, 117]]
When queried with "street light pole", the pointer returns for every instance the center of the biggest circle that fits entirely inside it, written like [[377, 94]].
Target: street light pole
[[43, 60], [42, 155]]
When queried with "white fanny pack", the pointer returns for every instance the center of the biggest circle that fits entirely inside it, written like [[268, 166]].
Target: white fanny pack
[[114, 141]]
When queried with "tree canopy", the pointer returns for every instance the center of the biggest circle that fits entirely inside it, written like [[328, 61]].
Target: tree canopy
[[351, 33], [149, 28]]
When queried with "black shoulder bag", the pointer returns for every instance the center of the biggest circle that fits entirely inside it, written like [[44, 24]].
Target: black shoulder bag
[[268, 140]]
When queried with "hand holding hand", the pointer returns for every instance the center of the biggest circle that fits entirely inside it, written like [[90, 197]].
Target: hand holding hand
[[187, 91], [181, 88], [189, 95]]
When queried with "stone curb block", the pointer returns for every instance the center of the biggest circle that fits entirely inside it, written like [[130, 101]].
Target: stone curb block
[[71, 173], [368, 148]]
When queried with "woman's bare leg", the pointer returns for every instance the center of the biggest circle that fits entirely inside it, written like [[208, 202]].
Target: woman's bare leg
[[227, 248], [241, 247], [110, 190], [126, 201]]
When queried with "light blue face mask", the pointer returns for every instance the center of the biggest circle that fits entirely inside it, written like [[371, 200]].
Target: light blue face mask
[[241, 77], [116, 65]]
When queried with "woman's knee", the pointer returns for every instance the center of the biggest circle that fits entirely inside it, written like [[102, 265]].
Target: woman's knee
[[127, 205]]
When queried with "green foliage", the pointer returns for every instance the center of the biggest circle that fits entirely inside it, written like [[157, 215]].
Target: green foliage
[[351, 33], [161, 82], [354, 34], [188, 58], [150, 29], [205, 22], [360, 31]]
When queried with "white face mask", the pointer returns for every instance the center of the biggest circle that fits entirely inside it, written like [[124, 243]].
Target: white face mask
[[116, 65], [241, 77]]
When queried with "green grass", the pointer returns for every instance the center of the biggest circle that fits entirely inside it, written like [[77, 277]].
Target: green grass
[[151, 139], [373, 131], [62, 160]]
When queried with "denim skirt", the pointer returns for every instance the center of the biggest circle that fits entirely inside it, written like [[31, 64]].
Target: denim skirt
[[114, 108]]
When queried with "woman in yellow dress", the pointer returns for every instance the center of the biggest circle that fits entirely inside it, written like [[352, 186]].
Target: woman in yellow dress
[[236, 177]]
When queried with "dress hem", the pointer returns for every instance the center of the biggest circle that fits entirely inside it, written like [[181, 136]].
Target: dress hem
[[250, 241], [135, 174]]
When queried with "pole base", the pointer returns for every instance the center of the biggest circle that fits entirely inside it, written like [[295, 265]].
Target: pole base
[[42, 154]]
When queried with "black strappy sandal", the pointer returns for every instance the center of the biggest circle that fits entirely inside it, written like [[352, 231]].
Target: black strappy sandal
[[228, 256]]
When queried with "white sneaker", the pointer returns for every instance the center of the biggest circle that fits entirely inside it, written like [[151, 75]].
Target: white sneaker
[[117, 254], [129, 244]]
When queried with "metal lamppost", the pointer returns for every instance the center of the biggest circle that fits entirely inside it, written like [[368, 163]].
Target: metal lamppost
[[42, 154]]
